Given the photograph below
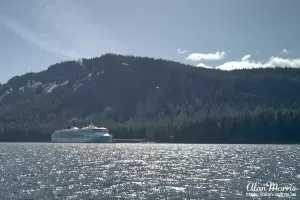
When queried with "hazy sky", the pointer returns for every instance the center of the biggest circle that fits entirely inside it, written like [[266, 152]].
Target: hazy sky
[[214, 33]]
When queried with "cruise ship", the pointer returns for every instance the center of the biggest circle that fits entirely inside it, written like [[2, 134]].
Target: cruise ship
[[89, 134]]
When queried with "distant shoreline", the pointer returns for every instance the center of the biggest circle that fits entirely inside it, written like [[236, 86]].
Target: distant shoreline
[[149, 142]]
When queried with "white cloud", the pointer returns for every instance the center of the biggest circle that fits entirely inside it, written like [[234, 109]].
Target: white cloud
[[210, 56], [246, 57], [272, 62], [284, 51], [180, 51], [203, 65]]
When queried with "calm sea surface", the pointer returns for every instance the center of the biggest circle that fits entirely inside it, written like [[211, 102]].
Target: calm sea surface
[[146, 171]]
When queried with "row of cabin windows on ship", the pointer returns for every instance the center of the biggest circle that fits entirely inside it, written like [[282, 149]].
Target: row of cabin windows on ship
[[67, 136]]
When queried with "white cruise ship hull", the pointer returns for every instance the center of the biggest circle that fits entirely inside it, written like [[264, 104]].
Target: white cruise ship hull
[[81, 136]]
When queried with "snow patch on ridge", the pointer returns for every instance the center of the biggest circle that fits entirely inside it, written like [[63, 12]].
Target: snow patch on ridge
[[53, 85], [6, 93], [99, 73], [64, 83], [77, 86], [34, 84], [22, 88], [31, 85]]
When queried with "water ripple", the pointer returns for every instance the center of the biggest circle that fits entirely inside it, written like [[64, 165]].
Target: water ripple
[[142, 171]]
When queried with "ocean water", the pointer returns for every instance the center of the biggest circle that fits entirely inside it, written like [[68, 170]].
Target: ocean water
[[147, 171]]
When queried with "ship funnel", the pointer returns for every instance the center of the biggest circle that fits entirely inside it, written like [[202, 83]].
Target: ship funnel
[[91, 125]]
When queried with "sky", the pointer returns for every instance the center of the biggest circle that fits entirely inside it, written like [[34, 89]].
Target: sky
[[227, 35]]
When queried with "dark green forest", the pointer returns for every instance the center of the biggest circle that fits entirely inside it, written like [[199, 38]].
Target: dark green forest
[[161, 100]]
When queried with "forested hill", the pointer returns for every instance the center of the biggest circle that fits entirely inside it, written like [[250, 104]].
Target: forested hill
[[139, 97]]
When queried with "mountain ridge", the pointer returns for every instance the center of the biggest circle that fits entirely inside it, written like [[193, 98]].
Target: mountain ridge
[[132, 94]]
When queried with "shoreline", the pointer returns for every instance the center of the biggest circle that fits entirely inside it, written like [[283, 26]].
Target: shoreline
[[150, 142]]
